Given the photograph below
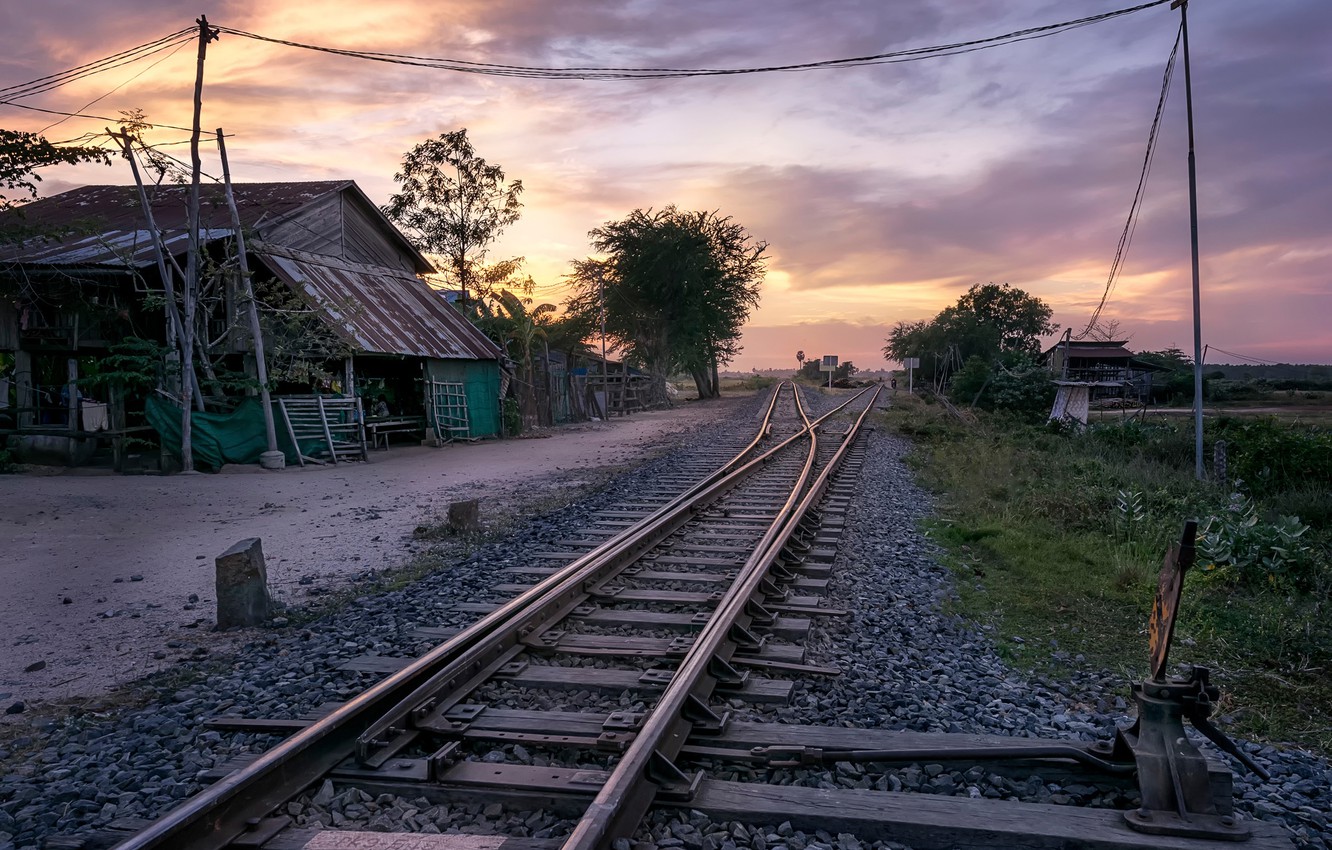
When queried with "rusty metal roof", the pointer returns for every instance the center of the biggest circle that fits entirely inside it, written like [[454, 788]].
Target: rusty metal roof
[[380, 310], [108, 227]]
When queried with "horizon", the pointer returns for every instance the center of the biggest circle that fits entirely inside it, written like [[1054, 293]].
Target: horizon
[[884, 190]]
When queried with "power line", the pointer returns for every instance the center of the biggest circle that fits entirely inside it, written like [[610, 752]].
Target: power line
[[1244, 356], [84, 115], [1135, 208], [124, 57], [611, 73], [92, 102]]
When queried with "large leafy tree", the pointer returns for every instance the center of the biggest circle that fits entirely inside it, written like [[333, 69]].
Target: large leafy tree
[[674, 288], [453, 203], [989, 321]]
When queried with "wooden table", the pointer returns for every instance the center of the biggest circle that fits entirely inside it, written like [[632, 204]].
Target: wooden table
[[384, 425]]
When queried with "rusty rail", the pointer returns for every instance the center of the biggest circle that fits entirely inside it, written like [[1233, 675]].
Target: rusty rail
[[214, 817], [649, 761]]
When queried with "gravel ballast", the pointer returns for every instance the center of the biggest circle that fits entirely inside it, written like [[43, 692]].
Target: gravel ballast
[[907, 665]]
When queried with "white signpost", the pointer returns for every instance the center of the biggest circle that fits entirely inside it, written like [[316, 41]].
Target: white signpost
[[829, 365], [911, 363]]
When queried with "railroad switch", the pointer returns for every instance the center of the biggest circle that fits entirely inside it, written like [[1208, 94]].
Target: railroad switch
[[1177, 796]]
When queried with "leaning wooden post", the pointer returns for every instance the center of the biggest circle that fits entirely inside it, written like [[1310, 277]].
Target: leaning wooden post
[[175, 328], [273, 458]]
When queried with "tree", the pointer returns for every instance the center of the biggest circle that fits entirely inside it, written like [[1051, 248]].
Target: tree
[[989, 320], [675, 287], [812, 371], [21, 156], [453, 203]]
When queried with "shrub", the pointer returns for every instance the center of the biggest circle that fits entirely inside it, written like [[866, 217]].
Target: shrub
[[1250, 551]]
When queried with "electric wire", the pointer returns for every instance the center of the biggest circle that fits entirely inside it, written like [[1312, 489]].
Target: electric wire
[[124, 57], [95, 100], [1135, 208], [621, 73], [1244, 356]]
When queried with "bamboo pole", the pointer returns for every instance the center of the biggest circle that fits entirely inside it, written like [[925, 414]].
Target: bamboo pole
[[256, 331], [175, 330]]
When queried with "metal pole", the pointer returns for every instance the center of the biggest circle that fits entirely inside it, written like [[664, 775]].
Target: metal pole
[[1198, 470]]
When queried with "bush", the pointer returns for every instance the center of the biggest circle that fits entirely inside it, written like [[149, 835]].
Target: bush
[[1271, 457], [1246, 550]]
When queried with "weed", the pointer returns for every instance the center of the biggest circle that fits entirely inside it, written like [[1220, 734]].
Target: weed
[[1056, 535]]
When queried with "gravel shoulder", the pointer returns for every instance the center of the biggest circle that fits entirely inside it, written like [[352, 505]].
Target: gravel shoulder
[[108, 578]]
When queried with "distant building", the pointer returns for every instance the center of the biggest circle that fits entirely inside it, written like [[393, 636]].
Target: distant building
[[1091, 373]]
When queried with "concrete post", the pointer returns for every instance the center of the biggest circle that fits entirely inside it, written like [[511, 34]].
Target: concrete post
[[242, 585], [465, 517]]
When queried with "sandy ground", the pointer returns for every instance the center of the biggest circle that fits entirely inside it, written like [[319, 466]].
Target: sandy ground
[[107, 578]]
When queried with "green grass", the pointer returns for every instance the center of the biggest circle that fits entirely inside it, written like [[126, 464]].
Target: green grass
[[1041, 552]]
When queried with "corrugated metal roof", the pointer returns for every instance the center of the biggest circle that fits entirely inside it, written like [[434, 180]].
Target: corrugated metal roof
[[380, 310], [109, 227]]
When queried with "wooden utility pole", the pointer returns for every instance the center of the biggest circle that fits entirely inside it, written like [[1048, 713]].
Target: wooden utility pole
[[247, 283], [191, 286], [175, 329], [1199, 472]]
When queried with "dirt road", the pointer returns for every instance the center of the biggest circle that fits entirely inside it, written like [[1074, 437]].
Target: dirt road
[[106, 578]]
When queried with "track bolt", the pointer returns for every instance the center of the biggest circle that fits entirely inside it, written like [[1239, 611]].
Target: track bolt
[[1227, 820], [1145, 814]]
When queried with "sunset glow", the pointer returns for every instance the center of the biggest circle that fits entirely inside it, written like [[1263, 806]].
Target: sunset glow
[[884, 191]]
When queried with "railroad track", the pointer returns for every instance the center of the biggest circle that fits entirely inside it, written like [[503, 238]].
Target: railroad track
[[703, 577], [613, 662]]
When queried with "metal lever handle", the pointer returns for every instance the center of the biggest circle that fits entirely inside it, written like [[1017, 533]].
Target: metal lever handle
[[1216, 736]]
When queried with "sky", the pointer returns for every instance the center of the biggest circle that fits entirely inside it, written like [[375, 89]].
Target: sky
[[883, 191]]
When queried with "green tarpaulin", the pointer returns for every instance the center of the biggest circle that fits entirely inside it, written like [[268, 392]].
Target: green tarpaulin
[[220, 438]]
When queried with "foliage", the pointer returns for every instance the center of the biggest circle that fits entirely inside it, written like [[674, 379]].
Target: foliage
[[987, 321], [1056, 536], [133, 364], [7, 464], [1236, 543], [134, 123], [1272, 457], [1013, 382], [297, 341], [676, 287], [452, 202], [22, 155], [1175, 385], [812, 371], [510, 417]]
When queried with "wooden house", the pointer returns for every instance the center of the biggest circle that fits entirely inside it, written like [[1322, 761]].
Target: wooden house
[[1091, 372], [339, 288]]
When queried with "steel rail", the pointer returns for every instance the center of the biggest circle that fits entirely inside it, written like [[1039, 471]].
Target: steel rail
[[214, 817], [630, 789]]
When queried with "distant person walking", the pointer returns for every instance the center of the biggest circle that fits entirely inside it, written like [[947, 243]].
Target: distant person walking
[[893, 384]]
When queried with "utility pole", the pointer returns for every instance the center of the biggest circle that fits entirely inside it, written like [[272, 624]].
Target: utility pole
[[191, 285], [1199, 472], [273, 458]]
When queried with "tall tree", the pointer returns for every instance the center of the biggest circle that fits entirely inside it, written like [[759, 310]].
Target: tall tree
[[675, 287], [454, 203], [989, 320]]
